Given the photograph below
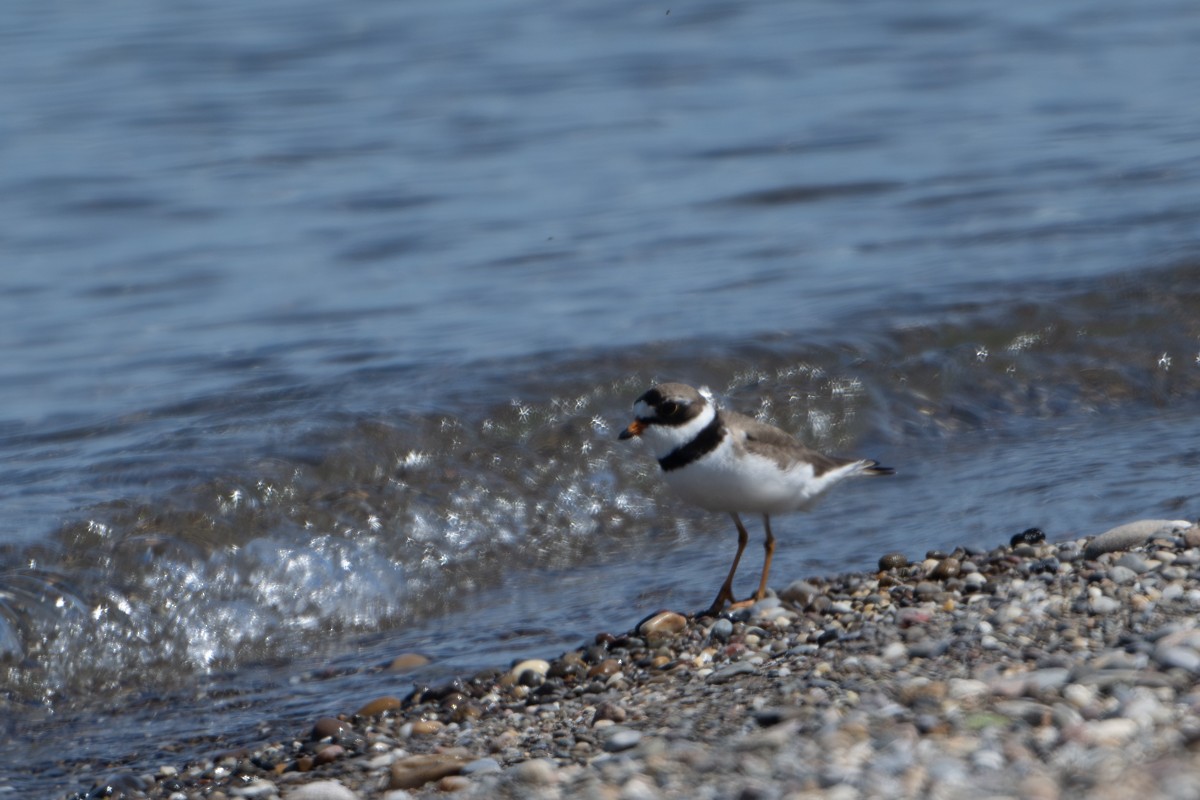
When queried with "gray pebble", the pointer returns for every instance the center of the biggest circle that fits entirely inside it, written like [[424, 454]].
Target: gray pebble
[[800, 593], [1049, 679], [1182, 657], [721, 630], [618, 739], [928, 648], [1130, 535], [480, 766], [728, 673], [1134, 562], [926, 590], [1122, 575]]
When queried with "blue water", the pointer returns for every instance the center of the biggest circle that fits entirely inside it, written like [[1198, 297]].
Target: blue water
[[357, 296]]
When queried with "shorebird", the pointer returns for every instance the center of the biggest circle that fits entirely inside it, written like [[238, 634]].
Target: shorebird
[[725, 461]]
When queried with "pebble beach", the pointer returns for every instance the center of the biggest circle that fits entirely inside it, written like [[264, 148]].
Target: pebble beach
[[1032, 670]]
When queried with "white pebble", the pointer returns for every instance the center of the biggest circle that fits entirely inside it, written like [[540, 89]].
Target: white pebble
[[894, 652], [322, 790], [966, 688], [1079, 695]]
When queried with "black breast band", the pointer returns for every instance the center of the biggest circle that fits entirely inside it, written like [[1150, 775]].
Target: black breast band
[[705, 442]]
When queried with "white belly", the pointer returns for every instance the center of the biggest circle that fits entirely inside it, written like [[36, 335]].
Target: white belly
[[721, 481]]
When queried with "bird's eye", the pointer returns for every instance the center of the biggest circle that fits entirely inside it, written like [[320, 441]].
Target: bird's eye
[[668, 409]]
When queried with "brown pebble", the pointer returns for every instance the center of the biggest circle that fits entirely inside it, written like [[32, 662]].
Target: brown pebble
[[1191, 537], [507, 739], [892, 561], [407, 661], [416, 771], [379, 706], [946, 568], [426, 727], [609, 711], [304, 763], [466, 711], [453, 783], [605, 669], [327, 755], [665, 623], [327, 727]]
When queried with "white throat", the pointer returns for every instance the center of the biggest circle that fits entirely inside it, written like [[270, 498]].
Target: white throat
[[666, 438]]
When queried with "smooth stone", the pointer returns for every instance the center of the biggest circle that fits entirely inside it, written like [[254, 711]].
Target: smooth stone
[[1181, 657], [731, 671], [535, 772], [1174, 573], [1048, 679], [894, 651], [767, 604], [1122, 575], [452, 783], [721, 630], [799, 593], [609, 711], [1111, 732], [639, 788], [1029, 711], [426, 727], [966, 688], [665, 623], [407, 661], [258, 788], [1133, 561], [928, 648], [605, 669], [379, 706], [535, 665], [945, 569], [617, 739], [1104, 605], [413, 772], [1130, 535], [892, 561], [329, 727], [926, 590], [1191, 537], [321, 790], [327, 755], [480, 766]]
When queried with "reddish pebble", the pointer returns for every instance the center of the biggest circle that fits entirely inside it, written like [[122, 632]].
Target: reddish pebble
[[330, 754]]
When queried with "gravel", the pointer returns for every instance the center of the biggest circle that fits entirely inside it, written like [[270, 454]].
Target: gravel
[[1036, 670]]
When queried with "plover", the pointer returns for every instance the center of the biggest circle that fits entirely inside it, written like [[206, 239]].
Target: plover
[[725, 461]]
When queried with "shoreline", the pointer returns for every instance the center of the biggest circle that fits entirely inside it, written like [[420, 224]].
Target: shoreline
[[1038, 670]]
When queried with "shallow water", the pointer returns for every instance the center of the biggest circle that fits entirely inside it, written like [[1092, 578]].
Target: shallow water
[[319, 325]]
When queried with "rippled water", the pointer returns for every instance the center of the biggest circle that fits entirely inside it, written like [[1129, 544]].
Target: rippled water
[[319, 323]]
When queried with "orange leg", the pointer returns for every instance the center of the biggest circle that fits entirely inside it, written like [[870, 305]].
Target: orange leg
[[726, 593], [769, 546]]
